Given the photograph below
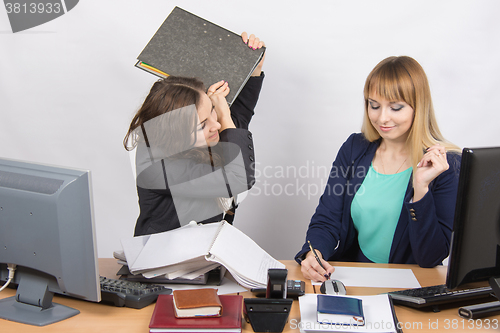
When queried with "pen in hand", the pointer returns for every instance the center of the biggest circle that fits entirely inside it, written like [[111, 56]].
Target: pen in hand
[[317, 259]]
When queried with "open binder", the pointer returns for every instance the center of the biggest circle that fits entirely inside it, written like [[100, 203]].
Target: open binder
[[196, 248], [188, 45]]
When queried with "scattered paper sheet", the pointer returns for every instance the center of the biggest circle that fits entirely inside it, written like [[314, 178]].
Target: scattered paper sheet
[[375, 277]]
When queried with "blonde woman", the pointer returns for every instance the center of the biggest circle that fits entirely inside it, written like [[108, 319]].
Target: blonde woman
[[390, 197]]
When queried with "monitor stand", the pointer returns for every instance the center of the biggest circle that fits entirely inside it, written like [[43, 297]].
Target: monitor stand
[[33, 304]]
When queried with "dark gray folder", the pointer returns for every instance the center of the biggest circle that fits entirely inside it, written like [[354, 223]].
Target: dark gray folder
[[187, 45]]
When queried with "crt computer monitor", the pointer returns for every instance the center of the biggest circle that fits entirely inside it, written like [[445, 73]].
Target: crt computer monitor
[[475, 246], [47, 230]]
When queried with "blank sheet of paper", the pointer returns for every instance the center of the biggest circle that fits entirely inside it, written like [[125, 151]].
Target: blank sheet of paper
[[375, 277]]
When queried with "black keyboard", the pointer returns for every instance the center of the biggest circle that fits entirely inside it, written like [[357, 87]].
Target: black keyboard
[[130, 294], [434, 295]]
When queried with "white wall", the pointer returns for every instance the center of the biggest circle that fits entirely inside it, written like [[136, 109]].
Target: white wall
[[68, 90]]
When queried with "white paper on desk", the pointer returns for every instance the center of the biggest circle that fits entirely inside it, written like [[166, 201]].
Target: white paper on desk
[[377, 311], [375, 277]]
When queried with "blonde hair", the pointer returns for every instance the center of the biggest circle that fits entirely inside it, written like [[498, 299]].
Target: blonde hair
[[403, 79]]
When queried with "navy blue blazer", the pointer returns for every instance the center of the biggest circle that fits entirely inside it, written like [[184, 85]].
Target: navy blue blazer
[[424, 228]]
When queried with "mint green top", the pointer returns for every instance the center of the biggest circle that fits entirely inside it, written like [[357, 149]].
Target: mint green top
[[375, 210]]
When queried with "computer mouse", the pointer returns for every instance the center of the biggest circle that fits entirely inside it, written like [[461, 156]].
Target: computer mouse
[[332, 287]]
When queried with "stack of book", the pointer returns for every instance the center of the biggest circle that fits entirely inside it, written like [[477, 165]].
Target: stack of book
[[226, 319], [197, 303]]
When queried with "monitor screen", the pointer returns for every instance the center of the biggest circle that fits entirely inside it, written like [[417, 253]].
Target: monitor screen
[[47, 231], [475, 246]]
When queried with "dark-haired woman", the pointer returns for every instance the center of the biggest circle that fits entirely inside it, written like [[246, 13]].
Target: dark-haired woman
[[194, 153]]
